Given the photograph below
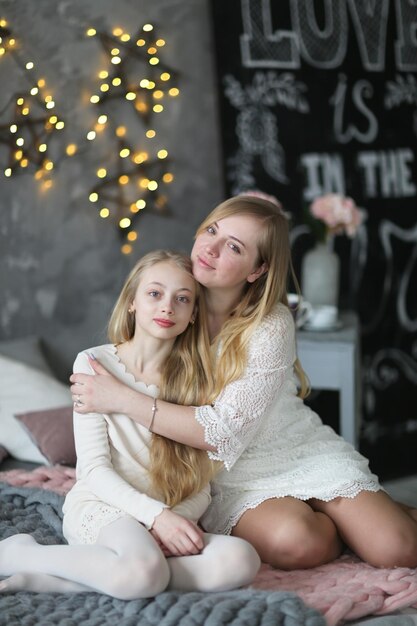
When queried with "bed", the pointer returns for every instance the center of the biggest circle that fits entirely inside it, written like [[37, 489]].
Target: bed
[[37, 469]]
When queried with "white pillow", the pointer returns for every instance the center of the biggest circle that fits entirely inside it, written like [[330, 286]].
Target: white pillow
[[23, 389]]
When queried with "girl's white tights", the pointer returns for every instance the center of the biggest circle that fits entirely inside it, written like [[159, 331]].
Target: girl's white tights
[[125, 563]]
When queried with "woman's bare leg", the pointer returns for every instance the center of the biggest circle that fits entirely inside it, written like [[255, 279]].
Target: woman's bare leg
[[380, 531], [288, 534]]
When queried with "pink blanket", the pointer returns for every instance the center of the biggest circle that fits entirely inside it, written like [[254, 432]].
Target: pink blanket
[[343, 590]]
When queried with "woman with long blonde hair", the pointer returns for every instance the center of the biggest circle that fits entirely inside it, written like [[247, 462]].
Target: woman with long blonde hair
[[289, 484], [131, 517]]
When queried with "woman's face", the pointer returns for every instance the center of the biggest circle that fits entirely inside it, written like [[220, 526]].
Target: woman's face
[[225, 255]]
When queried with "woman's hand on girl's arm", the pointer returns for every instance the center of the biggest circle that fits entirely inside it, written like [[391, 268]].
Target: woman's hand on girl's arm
[[103, 393], [99, 393], [176, 535]]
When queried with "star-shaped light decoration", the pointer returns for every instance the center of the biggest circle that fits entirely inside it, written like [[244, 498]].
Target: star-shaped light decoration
[[137, 178], [32, 120]]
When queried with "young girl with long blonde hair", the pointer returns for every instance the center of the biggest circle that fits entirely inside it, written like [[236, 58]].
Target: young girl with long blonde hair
[[131, 517], [290, 485]]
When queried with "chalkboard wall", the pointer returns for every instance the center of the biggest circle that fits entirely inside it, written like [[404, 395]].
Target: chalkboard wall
[[320, 97]]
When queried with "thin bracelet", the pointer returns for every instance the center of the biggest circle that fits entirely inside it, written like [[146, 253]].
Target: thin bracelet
[[154, 410]]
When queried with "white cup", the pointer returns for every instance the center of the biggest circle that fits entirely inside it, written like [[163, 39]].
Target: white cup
[[322, 316], [301, 309]]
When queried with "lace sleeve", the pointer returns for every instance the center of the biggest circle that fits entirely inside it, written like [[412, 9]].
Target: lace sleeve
[[232, 421]]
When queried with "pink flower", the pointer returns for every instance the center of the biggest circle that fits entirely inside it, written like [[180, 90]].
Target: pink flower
[[339, 213]]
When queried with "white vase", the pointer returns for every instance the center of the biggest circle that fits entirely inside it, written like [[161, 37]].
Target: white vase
[[320, 273]]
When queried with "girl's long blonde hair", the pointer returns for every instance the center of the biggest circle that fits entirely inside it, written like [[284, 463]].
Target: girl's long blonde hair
[[263, 294], [176, 470]]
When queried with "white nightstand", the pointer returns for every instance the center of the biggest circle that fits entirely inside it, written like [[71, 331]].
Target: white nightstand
[[331, 360]]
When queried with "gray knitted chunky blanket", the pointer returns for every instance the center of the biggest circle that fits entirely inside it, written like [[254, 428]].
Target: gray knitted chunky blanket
[[39, 512]]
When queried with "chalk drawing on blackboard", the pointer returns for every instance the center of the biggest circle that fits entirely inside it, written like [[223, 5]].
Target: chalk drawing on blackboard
[[257, 129], [402, 90]]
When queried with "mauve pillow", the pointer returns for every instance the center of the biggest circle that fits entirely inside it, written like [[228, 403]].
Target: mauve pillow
[[3, 453], [52, 432]]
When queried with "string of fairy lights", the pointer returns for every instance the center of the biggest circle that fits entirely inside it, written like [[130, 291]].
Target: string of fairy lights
[[134, 76], [32, 121]]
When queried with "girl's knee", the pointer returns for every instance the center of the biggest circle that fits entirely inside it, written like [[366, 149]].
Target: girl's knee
[[134, 578], [244, 560], [233, 564]]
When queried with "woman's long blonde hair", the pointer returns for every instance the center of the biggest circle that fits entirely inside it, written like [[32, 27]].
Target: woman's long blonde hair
[[263, 294], [176, 470]]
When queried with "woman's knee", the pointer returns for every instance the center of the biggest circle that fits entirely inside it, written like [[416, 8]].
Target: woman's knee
[[399, 550], [302, 543], [136, 577]]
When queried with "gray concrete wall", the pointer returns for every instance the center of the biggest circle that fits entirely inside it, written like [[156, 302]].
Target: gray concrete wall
[[60, 264]]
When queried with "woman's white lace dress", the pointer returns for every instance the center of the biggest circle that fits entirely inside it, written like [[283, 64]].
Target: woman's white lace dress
[[271, 443]]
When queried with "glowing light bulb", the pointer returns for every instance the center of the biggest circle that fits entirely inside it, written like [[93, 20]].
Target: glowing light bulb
[[126, 248], [132, 235], [153, 61], [101, 172], [60, 125], [168, 177], [95, 99], [158, 108], [116, 60], [43, 147], [140, 42], [162, 154], [91, 135], [147, 28], [125, 222], [152, 185], [102, 119], [124, 152], [130, 95], [121, 131], [150, 133], [93, 197], [8, 172], [104, 212], [165, 76], [71, 149], [103, 74], [174, 91], [91, 32], [123, 179]]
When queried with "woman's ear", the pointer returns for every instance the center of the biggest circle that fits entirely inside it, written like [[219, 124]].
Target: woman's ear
[[257, 273]]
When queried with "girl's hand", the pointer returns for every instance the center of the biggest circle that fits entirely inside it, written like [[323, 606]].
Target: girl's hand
[[99, 393], [176, 535]]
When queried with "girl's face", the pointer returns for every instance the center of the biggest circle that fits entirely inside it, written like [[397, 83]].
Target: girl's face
[[164, 301], [225, 255]]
